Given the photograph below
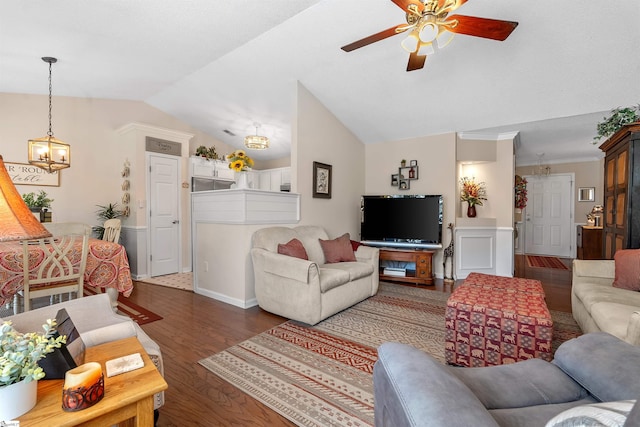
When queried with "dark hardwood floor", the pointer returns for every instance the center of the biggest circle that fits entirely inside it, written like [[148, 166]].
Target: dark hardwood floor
[[194, 327]]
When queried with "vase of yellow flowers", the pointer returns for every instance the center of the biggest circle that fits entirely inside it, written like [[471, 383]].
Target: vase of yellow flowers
[[240, 163], [473, 193]]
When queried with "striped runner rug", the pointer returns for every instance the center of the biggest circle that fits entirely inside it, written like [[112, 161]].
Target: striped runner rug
[[545, 262], [322, 375]]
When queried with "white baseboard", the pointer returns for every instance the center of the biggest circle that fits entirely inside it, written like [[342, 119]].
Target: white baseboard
[[227, 299]]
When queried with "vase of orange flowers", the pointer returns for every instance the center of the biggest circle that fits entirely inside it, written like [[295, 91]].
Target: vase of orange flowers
[[473, 193], [240, 163]]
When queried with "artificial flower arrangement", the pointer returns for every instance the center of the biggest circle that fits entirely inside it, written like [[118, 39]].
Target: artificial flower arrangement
[[207, 153], [20, 353], [472, 192], [239, 161], [521, 192]]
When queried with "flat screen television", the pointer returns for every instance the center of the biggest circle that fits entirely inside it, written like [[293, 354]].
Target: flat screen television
[[412, 221]]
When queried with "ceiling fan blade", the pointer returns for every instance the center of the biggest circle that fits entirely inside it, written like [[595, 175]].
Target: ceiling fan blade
[[482, 27], [404, 4], [374, 38], [416, 61]]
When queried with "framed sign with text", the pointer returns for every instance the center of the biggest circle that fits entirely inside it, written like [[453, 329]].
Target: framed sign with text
[[26, 174]]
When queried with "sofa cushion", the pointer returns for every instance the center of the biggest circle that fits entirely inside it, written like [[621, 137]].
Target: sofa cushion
[[606, 414], [309, 235], [627, 262], [293, 248], [604, 365], [338, 250], [592, 293], [356, 270], [528, 383], [332, 278], [613, 317]]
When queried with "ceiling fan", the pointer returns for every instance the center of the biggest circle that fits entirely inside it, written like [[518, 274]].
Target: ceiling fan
[[430, 28]]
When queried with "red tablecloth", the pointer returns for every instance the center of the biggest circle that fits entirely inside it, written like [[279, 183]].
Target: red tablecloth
[[107, 267]]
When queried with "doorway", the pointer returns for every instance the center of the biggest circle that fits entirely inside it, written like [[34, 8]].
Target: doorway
[[164, 214], [548, 215]]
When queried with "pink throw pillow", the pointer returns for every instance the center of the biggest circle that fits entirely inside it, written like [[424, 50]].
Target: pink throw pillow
[[294, 248], [627, 262], [338, 250]]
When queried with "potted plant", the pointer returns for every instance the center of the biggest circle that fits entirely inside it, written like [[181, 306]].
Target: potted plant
[[207, 153], [618, 118], [19, 370], [37, 202], [109, 211]]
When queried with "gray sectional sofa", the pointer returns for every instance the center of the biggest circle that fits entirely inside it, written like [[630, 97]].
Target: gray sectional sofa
[[413, 389], [309, 290]]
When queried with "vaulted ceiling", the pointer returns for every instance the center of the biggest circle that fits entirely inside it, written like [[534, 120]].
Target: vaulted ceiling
[[226, 65]]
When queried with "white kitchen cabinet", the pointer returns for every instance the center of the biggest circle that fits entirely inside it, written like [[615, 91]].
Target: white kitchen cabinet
[[202, 168], [223, 171]]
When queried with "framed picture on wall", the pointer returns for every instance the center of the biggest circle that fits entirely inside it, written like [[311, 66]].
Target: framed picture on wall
[[394, 180], [26, 174], [321, 180]]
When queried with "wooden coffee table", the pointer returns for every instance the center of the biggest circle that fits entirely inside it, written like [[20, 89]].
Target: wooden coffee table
[[128, 398]]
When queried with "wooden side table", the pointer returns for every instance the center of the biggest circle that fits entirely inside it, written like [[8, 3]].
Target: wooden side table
[[128, 397], [589, 242]]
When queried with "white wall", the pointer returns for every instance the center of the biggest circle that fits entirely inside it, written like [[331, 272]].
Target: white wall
[[436, 156], [89, 125], [319, 136]]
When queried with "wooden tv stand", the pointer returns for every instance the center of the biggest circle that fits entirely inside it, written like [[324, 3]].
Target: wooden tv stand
[[422, 258]]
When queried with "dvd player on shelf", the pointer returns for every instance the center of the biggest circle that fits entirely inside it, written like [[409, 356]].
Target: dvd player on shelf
[[392, 271]]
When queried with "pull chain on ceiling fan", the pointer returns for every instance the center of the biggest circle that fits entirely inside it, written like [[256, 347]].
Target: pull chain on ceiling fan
[[430, 28]]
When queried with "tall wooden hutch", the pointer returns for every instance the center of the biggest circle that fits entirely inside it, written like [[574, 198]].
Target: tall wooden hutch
[[621, 190]]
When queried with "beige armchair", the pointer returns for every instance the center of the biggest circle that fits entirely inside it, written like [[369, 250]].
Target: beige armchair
[[309, 290]]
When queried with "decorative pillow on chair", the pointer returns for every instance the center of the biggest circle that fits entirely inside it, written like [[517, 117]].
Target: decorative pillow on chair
[[355, 245], [627, 262], [293, 248], [605, 414], [338, 250]]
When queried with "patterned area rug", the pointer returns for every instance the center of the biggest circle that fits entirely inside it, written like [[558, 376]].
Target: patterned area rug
[[138, 314], [178, 281], [322, 375], [545, 262]]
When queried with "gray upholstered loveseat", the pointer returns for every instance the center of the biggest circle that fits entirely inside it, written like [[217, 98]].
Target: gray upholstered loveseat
[[413, 389], [309, 290]]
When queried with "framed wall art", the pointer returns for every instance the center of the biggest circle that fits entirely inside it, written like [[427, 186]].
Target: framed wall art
[[321, 180], [26, 174]]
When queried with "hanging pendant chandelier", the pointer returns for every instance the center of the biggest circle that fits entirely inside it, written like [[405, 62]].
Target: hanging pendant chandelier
[[48, 152], [256, 142]]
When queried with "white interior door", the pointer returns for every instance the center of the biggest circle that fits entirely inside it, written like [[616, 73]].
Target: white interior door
[[548, 215], [164, 221]]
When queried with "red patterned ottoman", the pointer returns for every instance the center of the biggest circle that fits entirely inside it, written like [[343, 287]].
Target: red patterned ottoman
[[492, 325], [508, 284]]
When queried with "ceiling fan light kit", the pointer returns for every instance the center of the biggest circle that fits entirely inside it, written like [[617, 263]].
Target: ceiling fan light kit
[[430, 29]]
